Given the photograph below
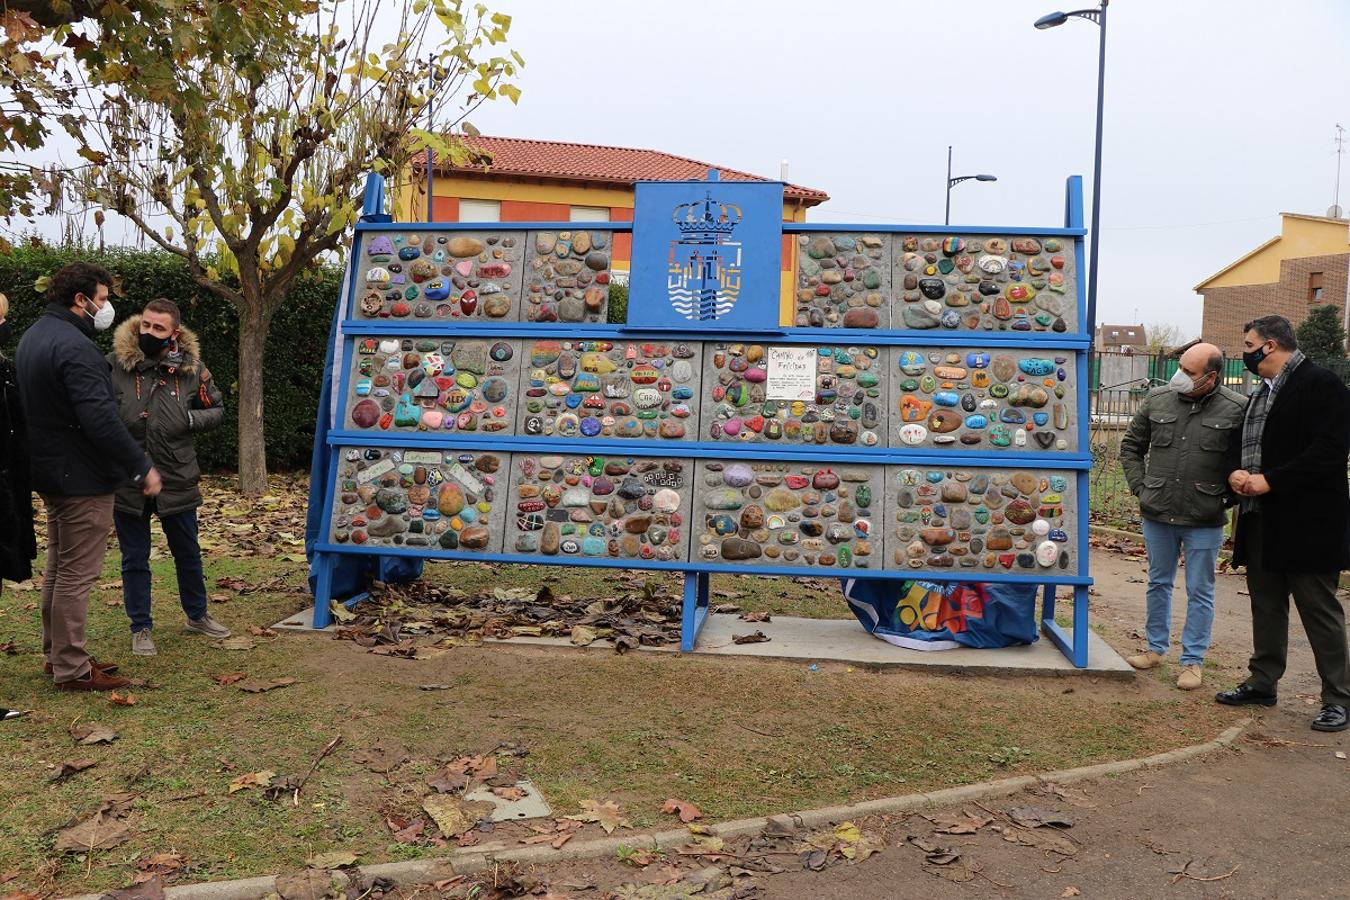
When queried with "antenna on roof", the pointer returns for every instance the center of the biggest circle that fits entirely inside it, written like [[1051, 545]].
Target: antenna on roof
[[783, 170], [1335, 211]]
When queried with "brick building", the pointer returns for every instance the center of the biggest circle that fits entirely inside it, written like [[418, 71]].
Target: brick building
[[1306, 265]]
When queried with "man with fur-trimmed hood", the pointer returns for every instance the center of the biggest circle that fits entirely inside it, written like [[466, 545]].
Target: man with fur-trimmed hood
[[165, 396]]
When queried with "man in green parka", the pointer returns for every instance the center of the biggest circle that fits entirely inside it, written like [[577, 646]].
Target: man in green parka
[[165, 396]]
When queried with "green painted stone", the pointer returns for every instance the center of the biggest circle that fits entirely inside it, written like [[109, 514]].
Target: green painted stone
[[1059, 391], [597, 466], [855, 412], [845, 557], [863, 496], [982, 515], [998, 390], [928, 384], [466, 380], [909, 384], [945, 266], [867, 379], [872, 279], [647, 414]]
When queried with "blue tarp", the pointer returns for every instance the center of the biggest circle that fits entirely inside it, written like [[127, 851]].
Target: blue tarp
[[351, 573], [928, 615]]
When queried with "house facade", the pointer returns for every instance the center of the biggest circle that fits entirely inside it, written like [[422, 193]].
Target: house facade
[[1305, 266]]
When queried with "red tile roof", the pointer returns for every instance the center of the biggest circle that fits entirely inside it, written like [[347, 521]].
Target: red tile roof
[[597, 163]]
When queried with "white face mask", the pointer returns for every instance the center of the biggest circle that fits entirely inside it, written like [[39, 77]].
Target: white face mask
[[1182, 383], [103, 319]]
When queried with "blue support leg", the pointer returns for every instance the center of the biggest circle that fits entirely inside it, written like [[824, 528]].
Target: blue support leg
[[323, 589], [695, 613], [1080, 626], [1048, 603]]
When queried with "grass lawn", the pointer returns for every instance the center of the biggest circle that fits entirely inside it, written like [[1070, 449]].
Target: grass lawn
[[734, 737]]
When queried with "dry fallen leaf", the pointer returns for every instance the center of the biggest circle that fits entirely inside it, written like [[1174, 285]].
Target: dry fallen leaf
[[382, 758], [757, 637], [228, 678], [333, 859], [162, 863], [259, 631], [608, 815], [127, 699], [1071, 891], [583, 635], [509, 793], [687, 812], [453, 816], [311, 884], [71, 767], [152, 888], [97, 833], [92, 733], [759, 616], [1035, 817], [239, 642], [964, 824], [251, 779]]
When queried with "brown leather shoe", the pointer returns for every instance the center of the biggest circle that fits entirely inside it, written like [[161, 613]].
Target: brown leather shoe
[[108, 668], [96, 680]]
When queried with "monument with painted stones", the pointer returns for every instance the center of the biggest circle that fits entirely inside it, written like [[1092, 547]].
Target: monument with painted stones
[[905, 405]]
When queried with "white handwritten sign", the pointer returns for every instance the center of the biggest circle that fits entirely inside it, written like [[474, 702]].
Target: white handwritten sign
[[791, 373]]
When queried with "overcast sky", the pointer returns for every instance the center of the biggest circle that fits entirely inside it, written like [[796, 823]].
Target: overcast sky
[[1220, 114]]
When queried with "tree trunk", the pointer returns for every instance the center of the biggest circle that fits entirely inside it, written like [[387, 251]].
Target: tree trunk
[[253, 327]]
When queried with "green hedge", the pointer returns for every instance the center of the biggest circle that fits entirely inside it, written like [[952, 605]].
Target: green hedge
[[293, 367]]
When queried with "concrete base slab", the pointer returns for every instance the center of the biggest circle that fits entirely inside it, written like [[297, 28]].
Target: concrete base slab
[[531, 806], [844, 641]]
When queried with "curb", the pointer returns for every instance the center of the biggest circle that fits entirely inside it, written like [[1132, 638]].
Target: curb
[[461, 862]]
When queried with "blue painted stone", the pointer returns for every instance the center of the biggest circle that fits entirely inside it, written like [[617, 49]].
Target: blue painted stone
[[976, 422], [590, 426], [573, 401], [436, 289], [1040, 418], [1058, 535], [593, 546], [1058, 483], [940, 510], [408, 253], [912, 362], [946, 398], [722, 524], [979, 484], [407, 412], [363, 387], [1012, 416], [1061, 374], [585, 382], [1036, 367], [682, 393], [977, 360], [1021, 325], [935, 477], [841, 356], [469, 514], [999, 437]]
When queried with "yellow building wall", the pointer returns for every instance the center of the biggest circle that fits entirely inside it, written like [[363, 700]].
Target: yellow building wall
[[1299, 237]]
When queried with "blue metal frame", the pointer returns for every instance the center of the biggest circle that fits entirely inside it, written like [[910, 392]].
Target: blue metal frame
[[696, 590]]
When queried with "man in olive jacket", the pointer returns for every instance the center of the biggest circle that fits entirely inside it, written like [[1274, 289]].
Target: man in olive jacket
[[165, 396], [1190, 429]]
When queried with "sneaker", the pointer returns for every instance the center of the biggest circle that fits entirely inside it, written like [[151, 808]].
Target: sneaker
[[208, 626], [96, 680], [142, 644], [1190, 678], [1146, 660], [7, 714]]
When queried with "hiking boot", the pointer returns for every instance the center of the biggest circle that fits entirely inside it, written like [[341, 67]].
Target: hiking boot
[[208, 626], [108, 668], [142, 644], [96, 680], [1146, 660], [1190, 678]]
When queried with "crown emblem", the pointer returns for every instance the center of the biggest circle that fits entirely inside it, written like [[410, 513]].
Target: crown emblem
[[707, 216]]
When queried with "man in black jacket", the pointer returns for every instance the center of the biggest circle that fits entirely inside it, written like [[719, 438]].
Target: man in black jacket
[[79, 453], [1293, 527]]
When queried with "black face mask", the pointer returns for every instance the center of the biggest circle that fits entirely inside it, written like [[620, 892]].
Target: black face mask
[[1252, 360], [152, 346], [6, 332]]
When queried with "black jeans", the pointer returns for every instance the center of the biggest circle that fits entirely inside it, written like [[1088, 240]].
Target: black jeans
[[133, 536], [1318, 608]]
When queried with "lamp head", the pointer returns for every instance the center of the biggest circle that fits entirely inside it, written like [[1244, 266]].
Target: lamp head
[[986, 178], [1051, 20]]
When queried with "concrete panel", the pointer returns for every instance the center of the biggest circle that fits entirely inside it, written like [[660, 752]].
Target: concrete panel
[[610, 389], [843, 280], [430, 384], [750, 396], [787, 514], [982, 282], [597, 507], [567, 278], [438, 275], [968, 398], [941, 519], [432, 499]]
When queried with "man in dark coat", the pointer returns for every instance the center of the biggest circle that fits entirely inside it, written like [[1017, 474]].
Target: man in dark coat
[[79, 452], [166, 397], [1293, 527]]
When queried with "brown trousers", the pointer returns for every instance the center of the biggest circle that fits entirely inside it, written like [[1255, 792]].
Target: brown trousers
[[77, 541]]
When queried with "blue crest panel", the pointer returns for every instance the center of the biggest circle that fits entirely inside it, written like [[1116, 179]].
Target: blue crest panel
[[706, 255]]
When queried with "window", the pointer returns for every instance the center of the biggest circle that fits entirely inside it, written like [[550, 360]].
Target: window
[[1315, 287], [589, 214], [480, 210]]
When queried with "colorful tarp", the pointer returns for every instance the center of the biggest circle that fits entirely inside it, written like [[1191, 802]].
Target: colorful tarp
[[926, 615]]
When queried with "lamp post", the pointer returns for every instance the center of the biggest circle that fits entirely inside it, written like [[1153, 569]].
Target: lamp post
[[1097, 16], [947, 218]]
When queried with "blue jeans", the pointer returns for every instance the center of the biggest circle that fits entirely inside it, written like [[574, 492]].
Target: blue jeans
[[133, 536], [1164, 544]]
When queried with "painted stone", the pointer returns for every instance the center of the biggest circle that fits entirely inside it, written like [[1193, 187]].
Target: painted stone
[[454, 386], [624, 389], [481, 278], [747, 398], [567, 277], [810, 516]]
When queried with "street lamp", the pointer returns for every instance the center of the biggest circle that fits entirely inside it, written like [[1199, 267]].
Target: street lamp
[[947, 219], [1097, 16]]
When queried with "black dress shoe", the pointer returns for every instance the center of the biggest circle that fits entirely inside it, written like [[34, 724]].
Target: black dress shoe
[[1331, 718], [1242, 695], [7, 714]]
